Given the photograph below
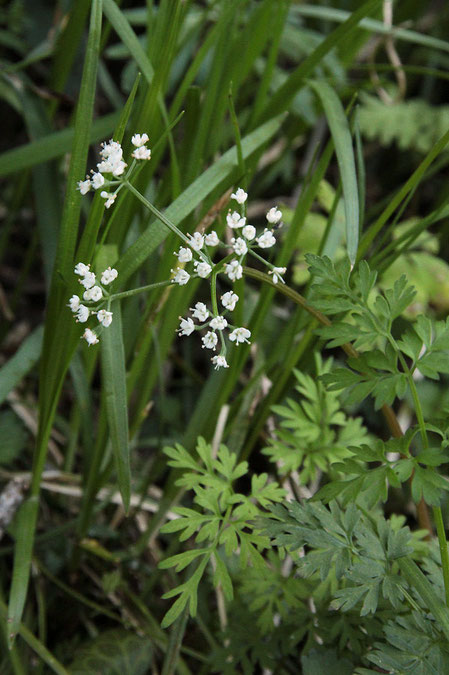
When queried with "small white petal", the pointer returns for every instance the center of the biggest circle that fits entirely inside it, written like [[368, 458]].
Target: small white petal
[[108, 276], [219, 362], [138, 140], [84, 186], [218, 323], [274, 215], [239, 245], [200, 311], [196, 241], [203, 269], [97, 180], [184, 255], [81, 269], [104, 317], [235, 220], [212, 239], [234, 270], [210, 340], [240, 335], [229, 300], [240, 195], [249, 232], [186, 326], [90, 337], [74, 303], [142, 153], [89, 280], [277, 272], [93, 294], [181, 277], [266, 240], [82, 314]]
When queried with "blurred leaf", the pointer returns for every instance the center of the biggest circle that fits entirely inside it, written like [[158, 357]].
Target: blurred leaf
[[114, 652]]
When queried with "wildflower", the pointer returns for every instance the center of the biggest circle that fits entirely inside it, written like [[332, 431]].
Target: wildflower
[[239, 195], [81, 269], [90, 337], [210, 340], [84, 186], [196, 241], [93, 294], [82, 314], [181, 277], [186, 326], [249, 232], [97, 180], [203, 269], [108, 276], [138, 140], [218, 323], [74, 303], [276, 272], [112, 159], [266, 240], [219, 361], [239, 246], [240, 335], [110, 198], [200, 312], [274, 215], [104, 317], [184, 254], [235, 220], [212, 239], [229, 300], [89, 280], [142, 153], [234, 270]]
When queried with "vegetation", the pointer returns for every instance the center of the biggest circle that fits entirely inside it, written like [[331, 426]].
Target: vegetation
[[224, 427]]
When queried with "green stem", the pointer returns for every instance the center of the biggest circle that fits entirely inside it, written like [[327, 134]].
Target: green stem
[[438, 517], [136, 291]]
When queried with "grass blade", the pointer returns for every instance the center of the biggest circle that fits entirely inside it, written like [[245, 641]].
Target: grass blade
[[21, 363], [114, 383], [341, 136]]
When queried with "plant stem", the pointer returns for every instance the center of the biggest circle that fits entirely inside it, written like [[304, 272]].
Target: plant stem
[[136, 291]]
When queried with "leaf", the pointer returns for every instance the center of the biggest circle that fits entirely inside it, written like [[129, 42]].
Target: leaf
[[341, 136], [322, 660], [114, 383], [12, 372], [114, 652], [13, 437]]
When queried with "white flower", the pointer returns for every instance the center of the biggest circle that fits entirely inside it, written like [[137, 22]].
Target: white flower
[[200, 312], [74, 303], [142, 153], [110, 198], [81, 269], [108, 276], [104, 317], [90, 337], [212, 239], [184, 254], [240, 196], [274, 215], [84, 186], [210, 340], [218, 323], [234, 270], [89, 280], [93, 294], [235, 220], [266, 240], [82, 314], [249, 232], [239, 246], [138, 140], [186, 326], [219, 362], [111, 149], [276, 272], [196, 241], [229, 300], [97, 180], [181, 277], [240, 335], [112, 155], [203, 269]]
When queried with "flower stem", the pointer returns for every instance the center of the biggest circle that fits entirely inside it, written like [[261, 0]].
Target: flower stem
[[141, 289]]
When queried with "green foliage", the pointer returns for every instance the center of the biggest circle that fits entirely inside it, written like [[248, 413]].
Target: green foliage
[[114, 652], [315, 432], [225, 519]]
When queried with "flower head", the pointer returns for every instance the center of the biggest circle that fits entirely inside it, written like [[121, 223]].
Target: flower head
[[203, 269], [84, 186], [229, 300], [274, 215], [82, 314], [196, 241], [277, 272], [266, 240], [104, 317], [240, 335], [139, 139], [239, 245], [90, 337], [184, 254], [240, 196], [81, 269], [234, 270], [249, 232], [89, 280], [200, 311], [93, 294], [110, 198], [212, 239], [97, 180], [218, 323], [112, 159], [210, 340], [235, 220], [108, 276], [142, 153], [181, 276], [186, 326], [219, 361]]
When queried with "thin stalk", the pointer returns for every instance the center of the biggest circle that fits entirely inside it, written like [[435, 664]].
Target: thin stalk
[[136, 291]]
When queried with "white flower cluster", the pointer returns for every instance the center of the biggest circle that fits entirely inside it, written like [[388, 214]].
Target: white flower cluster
[[112, 164], [93, 294], [215, 323]]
